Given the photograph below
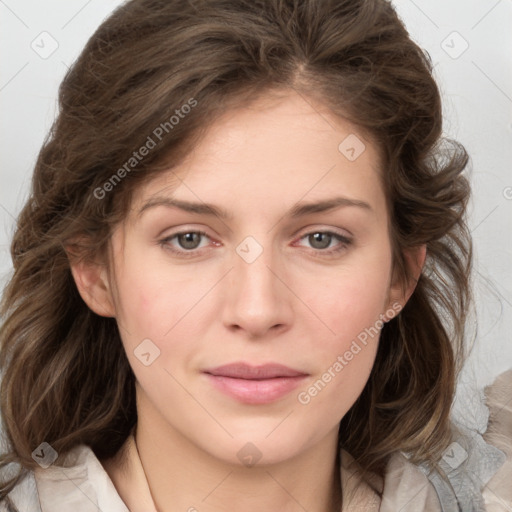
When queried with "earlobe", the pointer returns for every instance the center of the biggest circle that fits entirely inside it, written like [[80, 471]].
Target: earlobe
[[414, 260], [92, 283]]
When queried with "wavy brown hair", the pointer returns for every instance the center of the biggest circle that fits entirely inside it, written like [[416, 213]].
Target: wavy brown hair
[[66, 378]]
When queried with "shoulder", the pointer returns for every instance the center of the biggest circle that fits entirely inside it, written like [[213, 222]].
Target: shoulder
[[404, 487], [407, 488], [475, 472], [497, 492], [78, 479], [23, 497]]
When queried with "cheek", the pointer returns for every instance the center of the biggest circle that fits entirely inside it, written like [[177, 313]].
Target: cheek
[[344, 359], [153, 297], [352, 306], [351, 301]]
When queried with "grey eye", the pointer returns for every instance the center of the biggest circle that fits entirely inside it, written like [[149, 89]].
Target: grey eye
[[320, 240], [189, 240]]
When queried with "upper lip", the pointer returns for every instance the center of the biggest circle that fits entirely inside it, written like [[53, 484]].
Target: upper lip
[[250, 372]]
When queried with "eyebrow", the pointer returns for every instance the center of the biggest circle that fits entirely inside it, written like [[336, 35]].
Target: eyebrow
[[299, 210]]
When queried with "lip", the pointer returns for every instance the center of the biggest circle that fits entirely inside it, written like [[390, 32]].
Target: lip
[[255, 384]]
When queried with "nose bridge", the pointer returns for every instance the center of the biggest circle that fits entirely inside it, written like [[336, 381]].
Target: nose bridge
[[256, 299], [253, 263]]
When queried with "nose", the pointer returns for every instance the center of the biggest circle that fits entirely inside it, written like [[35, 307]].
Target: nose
[[257, 298]]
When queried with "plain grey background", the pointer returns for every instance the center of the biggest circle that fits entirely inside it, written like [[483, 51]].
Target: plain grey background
[[470, 42]]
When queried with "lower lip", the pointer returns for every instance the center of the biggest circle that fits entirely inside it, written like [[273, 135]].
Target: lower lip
[[256, 391]]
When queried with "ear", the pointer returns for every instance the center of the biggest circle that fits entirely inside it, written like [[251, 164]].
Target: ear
[[414, 260], [91, 279]]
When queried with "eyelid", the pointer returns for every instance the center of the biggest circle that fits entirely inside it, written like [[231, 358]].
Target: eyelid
[[184, 231], [306, 231], [309, 230], [331, 252], [344, 241]]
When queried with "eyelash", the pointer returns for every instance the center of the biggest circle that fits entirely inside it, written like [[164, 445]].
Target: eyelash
[[345, 242]]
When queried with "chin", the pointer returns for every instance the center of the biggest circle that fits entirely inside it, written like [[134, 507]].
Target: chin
[[259, 447]]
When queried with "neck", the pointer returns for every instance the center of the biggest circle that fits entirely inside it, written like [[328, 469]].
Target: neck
[[183, 477]]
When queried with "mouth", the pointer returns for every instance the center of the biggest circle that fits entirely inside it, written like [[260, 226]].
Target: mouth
[[255, 384]]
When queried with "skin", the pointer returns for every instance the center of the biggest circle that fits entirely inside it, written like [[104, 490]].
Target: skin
[[292, 305]]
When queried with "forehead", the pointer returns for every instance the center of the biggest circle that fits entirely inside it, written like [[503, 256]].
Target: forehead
[[281, 149]]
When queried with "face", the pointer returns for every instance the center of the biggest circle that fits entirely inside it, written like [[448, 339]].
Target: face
[[289, 296]]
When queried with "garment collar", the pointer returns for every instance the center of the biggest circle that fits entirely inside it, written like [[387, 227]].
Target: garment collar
[[81, 484]]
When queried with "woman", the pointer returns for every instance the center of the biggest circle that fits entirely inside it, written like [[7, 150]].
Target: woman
[[242, 274]]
